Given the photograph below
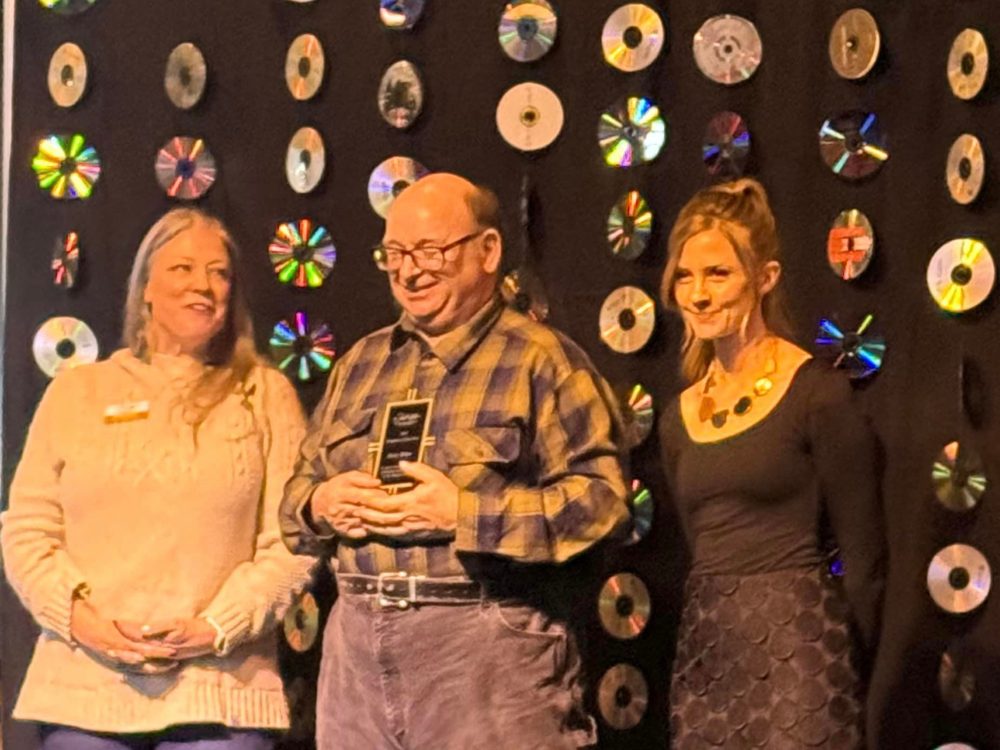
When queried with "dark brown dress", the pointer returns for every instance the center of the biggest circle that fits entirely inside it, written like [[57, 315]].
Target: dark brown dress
[[768, 639]]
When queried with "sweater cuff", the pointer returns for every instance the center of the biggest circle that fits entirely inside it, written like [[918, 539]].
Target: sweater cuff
[[56, 610], [234, 624]]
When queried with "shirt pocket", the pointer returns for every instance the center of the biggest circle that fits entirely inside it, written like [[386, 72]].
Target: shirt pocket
[[347, 442], [482, 456]]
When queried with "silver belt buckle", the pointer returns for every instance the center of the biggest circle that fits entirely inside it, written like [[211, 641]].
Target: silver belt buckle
[[385, 600]]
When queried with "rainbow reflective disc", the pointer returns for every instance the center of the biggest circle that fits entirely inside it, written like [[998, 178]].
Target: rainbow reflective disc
[[302, 253], [631, 132], [66, 166], [640, 502], [66, 7], [629, 226], [66, 261], [185, 168], [859, 352], [301, 350], [639, 415], [400, 14]]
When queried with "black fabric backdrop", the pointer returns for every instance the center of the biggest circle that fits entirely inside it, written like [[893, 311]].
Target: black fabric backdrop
[[247, 118]]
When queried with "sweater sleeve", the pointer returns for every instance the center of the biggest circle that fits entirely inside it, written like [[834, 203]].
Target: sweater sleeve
[[844, 451], [32, 529], [259, 592]]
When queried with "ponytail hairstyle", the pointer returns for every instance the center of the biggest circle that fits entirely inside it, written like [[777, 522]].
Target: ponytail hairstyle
[[741, 212]]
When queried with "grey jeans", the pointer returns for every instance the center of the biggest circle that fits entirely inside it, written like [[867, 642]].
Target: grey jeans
[[449, 677]]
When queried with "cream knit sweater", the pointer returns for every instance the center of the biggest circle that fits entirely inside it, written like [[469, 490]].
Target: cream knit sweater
[[159, 523]]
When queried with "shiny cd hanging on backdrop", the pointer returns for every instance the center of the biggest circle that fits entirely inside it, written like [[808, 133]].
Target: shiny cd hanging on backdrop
[[640, 503], [522, 290], [958, 477], [302, 623], [67, 77], [529, 116], [854, 43], [302, 253], [66, 261], [639, 415], [956, 680], [859, 352], [300, 349], [527, 29], [631, 132], [968, 64], [185, 76], [66, 166], [958, 578], [955, 746], [727, 49], [622, 696], [400, 14], [960, 275], [627, 319], [623, 606], [62, 343], [632, 37], [629, 226], [726, 147], [852, 145], [850, 244], [965, 169], [67, 6], [185, 168], [389, 179], [304, 67], [305, 160], [401, 94]]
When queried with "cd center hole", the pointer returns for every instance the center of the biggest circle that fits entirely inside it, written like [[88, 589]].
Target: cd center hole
[[854, 142], [68, 166], [529, 116], [961, 274], [728, 48], [185, 76], [305, 159], [851, 342], [66, 348], [67, 76], [632, 37], [527, 28], [626, 319], [302, 253], [300, 619], [304, 66], [964, 168], [624, 606], [959, 578], [398, 187], [302, 346], [623, 697], [852, 43], [185, 168], [968, 63]]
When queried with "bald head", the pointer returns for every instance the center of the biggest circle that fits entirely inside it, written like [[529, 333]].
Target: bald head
[[442, 191]]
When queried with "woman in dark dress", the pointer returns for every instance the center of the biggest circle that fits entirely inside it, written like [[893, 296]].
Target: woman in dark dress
[[765, 452]]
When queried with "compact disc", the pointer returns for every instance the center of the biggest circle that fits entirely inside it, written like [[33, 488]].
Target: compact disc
[[529, 116], [727, 49], [958, 477], [623, 605], [66, 261], [67, 6], [859, 352], [300, 349], [302, 623], [401, 94], [850, 244], [852, 145], [955, 746], [968, 64], [640, 503], [66, 166], [628, 317], [522, 290], [302, 253], [185, 168], [527, 29], [961, 274], [63, 343], [186, 76], [629, 226], [631, 132], [958, 578], [633, 37], [400, 14], [389, 179], [966, 169], [956, 680], [727, 145], [305, 160], [304, 66], [639, 415], [622, 696], [854, 43], [67, 75]]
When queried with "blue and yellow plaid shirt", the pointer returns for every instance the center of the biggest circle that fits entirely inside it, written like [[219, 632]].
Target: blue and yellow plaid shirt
[[521, 422]]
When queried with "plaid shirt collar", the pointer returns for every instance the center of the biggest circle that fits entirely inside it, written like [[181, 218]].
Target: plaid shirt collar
[[453, 346]]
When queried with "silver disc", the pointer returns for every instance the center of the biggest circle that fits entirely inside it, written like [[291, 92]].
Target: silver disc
[[968, 64], [529, 116], [622, 696], [401, 94], [305, 64], [186, 75], [958, 578], [961, 274], [958, 477], [966, 169], [850, 244], [305, 161], [67, 75], [67, 7], [956, 680], [62, 343], [389, 179], [400, 14], [854, 43], [527, 29], [522, 290], [623, 606], [627, 319], [632, 37], [727, 49]]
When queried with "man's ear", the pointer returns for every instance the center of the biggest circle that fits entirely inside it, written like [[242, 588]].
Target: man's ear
[[768, 278], [492, 250]]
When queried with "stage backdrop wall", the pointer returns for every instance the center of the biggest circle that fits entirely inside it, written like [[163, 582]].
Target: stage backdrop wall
[[247, 118]]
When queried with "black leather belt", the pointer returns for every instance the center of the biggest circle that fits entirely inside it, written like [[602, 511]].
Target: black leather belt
[[400, 590]]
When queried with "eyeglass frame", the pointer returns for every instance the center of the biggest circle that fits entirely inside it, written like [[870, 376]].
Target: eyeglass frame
[[438, 252]]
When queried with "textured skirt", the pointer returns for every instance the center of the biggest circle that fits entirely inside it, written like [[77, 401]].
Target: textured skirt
[[765, 661]]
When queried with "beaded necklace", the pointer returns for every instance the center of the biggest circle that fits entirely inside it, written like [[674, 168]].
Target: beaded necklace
[[707, 410]]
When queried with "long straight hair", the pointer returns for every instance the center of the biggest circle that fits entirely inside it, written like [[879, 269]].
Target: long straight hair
[[728, 208], [231, 353]]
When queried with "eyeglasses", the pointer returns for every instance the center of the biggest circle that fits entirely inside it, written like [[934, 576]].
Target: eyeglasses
[[424, 257]]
